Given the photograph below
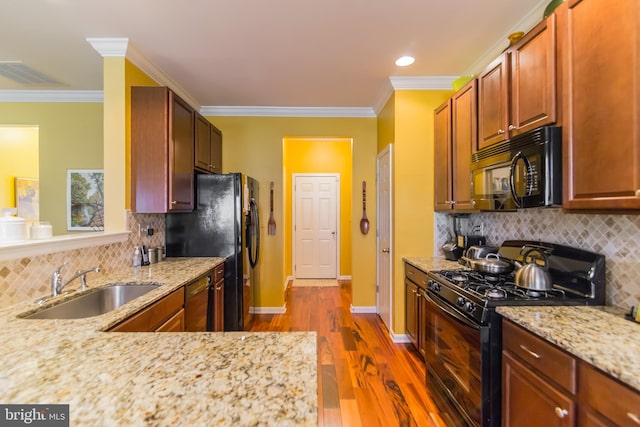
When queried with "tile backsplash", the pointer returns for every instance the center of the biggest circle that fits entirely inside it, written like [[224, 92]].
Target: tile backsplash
[[29, 278], [615, 236]]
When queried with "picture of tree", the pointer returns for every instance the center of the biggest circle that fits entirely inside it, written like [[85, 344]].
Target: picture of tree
[[85, 199]]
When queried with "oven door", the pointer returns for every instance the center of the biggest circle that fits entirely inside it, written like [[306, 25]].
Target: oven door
[[454, 363]]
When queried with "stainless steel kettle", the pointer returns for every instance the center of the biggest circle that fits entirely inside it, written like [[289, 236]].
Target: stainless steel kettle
[[533, 277]]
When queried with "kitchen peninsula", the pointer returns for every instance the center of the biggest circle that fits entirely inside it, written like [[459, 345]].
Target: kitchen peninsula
[[147, 378]]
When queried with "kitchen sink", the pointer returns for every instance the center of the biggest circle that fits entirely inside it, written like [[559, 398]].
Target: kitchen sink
[[95, 302]]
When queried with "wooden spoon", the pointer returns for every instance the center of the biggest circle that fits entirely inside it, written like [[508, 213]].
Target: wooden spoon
[[364, 222]]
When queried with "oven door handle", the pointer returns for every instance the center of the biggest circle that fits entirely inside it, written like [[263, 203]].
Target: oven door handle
[[451, 313]]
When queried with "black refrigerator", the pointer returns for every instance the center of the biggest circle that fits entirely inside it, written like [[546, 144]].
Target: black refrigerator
[[225, 223]]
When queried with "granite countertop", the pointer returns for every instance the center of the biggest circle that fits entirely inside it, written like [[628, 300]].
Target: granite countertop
[[598, 335], [432, 263], [173, 378]]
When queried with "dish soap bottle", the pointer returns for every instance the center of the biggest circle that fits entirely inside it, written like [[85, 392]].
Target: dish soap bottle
[[137, 260]]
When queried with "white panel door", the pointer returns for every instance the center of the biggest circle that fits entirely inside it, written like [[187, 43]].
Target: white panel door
[[315, 226], [383, 244]]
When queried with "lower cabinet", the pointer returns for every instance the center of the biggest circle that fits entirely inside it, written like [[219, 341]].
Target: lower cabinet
[[166, 314], [218, 299], [415, 284], [543, 384]]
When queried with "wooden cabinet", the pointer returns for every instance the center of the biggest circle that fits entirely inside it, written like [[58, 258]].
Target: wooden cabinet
[[601, 104], [517, 92], [442, 157], [415, 312], [162, 151], [166, 314], [604, 401], [538, 380], [455, 136], [541, 382], [218, 299], [208, 146], [174, 324], [411, 310], [527, 396], [493, 102]]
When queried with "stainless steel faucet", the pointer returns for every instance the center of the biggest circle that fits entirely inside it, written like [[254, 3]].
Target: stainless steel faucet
[[56, 279]]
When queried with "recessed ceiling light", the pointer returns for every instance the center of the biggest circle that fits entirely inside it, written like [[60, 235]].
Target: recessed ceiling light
[[404, 61]]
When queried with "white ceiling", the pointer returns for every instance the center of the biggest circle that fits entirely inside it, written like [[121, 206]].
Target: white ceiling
[[282, 53]]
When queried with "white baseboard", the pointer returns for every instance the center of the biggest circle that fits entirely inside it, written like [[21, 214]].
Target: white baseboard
[[400, 338], [363, 309], [344, 277], [268, 310]]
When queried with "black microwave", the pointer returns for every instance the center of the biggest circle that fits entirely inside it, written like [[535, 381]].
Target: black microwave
[[523, 172]]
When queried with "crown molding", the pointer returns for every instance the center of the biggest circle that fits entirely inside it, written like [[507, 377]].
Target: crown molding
[[120, 47], [529, 21], [51, 96], [384, 94], [354, 112], [422, 82], [110, 47]]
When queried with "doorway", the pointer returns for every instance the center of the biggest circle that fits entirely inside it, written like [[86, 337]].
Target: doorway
[[316, 230], [384, 256]]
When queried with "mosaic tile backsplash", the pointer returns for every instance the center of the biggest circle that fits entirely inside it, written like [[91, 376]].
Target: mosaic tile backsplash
[[29, 278], [617, 237]]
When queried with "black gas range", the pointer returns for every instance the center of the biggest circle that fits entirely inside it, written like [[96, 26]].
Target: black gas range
[[464, 333]]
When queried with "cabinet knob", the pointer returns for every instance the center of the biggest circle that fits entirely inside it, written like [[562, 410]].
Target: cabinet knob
[[500, 131], [637, 193], [512, 127], [174, 202], [561, 413]]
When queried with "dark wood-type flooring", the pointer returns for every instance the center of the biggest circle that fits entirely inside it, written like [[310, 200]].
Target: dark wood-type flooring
[[364, 379]]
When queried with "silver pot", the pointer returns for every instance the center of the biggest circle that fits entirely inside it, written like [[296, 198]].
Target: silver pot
[[491, 264], [533, 277], [479, 252]]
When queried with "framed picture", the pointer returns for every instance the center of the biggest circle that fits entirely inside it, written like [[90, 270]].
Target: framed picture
[[28, 198], [85, 199]]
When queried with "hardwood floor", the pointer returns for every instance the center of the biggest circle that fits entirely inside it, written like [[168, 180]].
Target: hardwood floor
[[364, 379]]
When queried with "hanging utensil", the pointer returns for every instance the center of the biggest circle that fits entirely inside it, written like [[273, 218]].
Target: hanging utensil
[[271, 225], [364, 222]]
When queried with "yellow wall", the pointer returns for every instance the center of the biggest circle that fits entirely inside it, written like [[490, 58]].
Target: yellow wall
[[319, 155], [18, 159], [70, 138], [409, 116], [386, 124], [253, 145]]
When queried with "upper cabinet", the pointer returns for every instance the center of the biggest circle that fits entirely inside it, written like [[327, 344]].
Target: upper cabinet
[[601, 103], [208, 148], [517, 91], [455, 136], [162, 151]]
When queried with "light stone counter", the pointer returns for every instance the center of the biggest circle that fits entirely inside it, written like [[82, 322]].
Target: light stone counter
[[433, 263], [159, 379], [598, 335]]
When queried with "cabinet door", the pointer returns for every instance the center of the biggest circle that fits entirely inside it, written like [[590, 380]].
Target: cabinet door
[[442, 157], [218, 314], [174, 324], [421, 326], [150, 318], [493, 102], [216, 150], [203, 155], [181, 145], [527, 397], [411, 319], [601, 105], [533, 79], [464, 138]]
